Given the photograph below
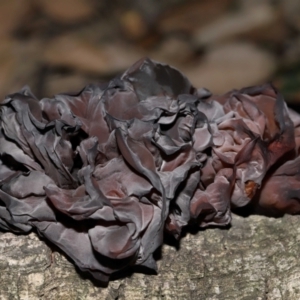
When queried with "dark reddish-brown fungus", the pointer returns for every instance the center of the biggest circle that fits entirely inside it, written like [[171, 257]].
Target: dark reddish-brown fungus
[[102, 174]]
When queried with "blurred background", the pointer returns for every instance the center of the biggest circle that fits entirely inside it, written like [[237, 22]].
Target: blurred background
[[61, 45]]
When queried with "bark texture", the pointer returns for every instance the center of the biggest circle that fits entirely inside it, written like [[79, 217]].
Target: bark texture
[[257, 258]]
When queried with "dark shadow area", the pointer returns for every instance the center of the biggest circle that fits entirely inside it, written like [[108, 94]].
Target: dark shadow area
[[294, 106]]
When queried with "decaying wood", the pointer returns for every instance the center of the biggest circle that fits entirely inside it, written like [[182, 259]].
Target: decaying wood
[[257, 258]]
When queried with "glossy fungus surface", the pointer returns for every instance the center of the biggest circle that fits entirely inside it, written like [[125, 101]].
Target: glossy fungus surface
[[104, 173]]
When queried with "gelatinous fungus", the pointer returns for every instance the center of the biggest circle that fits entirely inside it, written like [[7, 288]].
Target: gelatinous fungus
[[103, 173]]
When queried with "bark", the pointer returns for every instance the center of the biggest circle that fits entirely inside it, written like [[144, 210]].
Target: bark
[[257, 258]]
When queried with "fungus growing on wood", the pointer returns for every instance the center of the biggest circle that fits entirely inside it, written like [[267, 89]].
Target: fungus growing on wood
[[104, 173]]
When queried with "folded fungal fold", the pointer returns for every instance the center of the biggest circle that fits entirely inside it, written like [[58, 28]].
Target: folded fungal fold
[[103, 174]]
